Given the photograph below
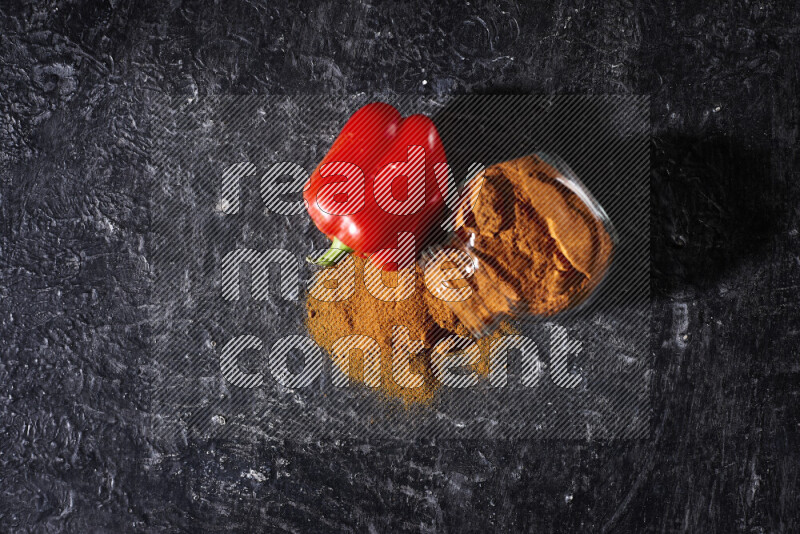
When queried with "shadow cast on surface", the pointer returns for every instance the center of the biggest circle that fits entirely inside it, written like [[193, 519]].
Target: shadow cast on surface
[[713, 201]]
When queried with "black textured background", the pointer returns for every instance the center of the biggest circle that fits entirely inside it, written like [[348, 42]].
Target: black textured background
[[75, 452]]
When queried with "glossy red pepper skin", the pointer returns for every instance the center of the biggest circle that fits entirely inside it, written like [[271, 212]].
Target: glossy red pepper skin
[[373, 138]]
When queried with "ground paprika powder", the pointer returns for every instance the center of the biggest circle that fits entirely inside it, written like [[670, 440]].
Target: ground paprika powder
[[540, 245]]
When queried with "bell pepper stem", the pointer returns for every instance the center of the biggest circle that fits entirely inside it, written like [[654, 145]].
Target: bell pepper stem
[[334, 255]]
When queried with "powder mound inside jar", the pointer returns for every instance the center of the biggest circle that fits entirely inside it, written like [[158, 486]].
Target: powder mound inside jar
[[535, 234], [538, 245]]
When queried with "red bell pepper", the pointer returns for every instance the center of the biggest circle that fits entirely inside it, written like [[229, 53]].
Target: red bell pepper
[[376, 182]]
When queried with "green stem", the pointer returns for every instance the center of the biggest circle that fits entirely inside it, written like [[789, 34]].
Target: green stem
[[334, 255]]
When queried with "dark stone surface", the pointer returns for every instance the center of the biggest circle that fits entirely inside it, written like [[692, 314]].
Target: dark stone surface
[[75, 452]]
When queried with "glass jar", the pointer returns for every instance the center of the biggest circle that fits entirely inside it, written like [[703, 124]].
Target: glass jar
[[528, 238]]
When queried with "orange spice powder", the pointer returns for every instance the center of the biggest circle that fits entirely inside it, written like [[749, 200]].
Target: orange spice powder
[[537, 243]]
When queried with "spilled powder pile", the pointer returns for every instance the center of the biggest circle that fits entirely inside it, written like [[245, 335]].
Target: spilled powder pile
[[540, 249], [428, 319]]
